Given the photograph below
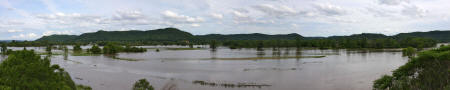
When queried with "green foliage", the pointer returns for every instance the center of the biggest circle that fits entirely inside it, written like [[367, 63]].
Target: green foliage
[[142, 84], [428, 71], [4, 49], [383, 82], [410, 52], [77, 48], [213, 44], [111, 48], [48, 49], [82, 87], [24, 70], [133, 49], [95, 49]]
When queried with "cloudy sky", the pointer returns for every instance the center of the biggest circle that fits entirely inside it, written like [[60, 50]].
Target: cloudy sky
[[31, 19]]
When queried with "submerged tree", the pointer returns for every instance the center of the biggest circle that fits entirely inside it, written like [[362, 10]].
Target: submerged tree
[[213, 45], [48, 49], [142, 84], [77, 48], [410, 52], [66, 52], [4, 49], [95, 49]]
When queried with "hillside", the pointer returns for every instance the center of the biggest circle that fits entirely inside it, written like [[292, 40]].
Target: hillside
[[253, 36], [166, 34], [443, 36], [174, 34], [58, 38], [362, 35]]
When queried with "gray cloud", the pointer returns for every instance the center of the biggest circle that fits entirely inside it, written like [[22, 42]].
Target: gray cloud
[[276, 11], [392, 2], [414, 11]]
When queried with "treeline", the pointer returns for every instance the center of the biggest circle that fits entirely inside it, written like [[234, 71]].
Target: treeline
[[428, 70], [111, 48], [335, 43]]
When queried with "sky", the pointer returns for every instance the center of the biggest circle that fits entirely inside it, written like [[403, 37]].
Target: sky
[[32, 19]]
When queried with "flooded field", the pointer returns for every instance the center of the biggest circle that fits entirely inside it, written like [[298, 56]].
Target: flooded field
[[238, 69]]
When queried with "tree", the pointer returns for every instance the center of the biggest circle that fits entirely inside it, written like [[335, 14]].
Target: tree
[[95, 49], [213, 44], [4, 49], [49, 49], [260, 46], [25, 70], [142, 84], [66, 52], [410, 51], [77, 48]]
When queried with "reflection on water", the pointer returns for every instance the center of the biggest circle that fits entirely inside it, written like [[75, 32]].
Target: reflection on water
[[178, 69]]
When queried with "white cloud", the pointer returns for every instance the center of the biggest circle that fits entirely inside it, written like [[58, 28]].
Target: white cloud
[[216, 15], [14, 30], [48, 33], [177, 18], [25, 36], [330, 10], [195, 25]]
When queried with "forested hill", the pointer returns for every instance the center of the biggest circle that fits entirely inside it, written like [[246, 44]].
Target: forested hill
[[166, 34], [254, 36], [443, 36], [58, 38], [173, 34], [363, 35]]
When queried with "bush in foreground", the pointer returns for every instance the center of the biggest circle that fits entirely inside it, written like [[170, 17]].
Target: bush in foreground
[[24, 70]]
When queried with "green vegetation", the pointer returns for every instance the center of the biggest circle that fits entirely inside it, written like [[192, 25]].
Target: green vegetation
[[213, 45], [442, 36], [82, 87], [77, 48], [166, 34], [410, 52], [253, 36], [142, 84], [428, 71], [95, 49], [111, 48], [25, 70], [129, 48], [4, 49], [48, 49], [173, 36]]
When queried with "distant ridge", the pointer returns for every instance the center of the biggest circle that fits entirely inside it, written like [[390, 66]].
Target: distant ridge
[[174, 34], [253, 36], [443, 36]]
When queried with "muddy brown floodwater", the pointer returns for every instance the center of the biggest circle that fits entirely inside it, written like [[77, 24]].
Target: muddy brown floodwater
[[201, 70]]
